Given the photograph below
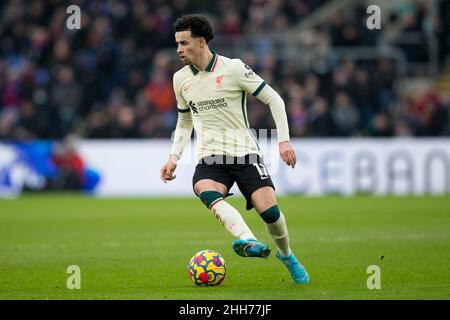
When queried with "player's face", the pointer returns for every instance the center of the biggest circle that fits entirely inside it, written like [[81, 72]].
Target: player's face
[[188, 47]]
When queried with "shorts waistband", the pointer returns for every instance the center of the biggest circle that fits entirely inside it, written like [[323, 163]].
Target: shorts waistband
[[223, 159]]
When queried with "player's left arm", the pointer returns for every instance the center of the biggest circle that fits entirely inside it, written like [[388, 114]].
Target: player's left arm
[[252, 83]]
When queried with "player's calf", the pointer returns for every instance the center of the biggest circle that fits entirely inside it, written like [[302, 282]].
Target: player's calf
[[227, 215]]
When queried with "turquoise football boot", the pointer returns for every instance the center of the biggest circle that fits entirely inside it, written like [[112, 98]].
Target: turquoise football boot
[[251, 248], [298, 272]]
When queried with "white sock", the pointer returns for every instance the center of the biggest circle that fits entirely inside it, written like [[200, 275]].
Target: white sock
[[278, 231], [231, 219]]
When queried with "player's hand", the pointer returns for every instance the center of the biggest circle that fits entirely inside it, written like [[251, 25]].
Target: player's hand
[[287, 153], [167, 170]]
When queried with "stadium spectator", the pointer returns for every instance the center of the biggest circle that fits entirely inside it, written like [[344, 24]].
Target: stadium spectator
[[344, 114], [8, 118], [32, 123], [159, 89], [381, 126], [66, 97], [97, 126], [403, 129], [412, 16], [125, 123], [429, 114], [320, 122], [363, 95]]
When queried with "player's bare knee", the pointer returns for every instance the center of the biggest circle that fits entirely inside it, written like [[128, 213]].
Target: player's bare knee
[[263, 199], [209, 185]]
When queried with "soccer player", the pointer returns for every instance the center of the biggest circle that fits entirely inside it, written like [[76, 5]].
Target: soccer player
[[211, 98]]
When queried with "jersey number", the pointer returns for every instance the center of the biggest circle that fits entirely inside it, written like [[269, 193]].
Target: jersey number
[[262, 170]]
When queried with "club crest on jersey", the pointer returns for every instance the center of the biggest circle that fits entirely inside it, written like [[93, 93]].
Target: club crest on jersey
[[219, 82], [186, 88]]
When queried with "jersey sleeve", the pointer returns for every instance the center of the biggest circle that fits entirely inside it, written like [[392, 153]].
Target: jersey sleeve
[[182, 106], [247, 79], [184, 126]]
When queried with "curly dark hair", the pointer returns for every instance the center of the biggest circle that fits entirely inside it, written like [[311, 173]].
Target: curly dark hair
[[197, 24]]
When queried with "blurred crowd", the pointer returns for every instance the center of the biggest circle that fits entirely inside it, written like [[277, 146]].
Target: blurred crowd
[[113, 78]]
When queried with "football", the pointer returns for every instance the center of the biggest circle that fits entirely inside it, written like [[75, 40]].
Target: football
[[207, 268]]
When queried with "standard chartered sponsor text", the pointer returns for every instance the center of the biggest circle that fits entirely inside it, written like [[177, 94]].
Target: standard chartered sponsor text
[[212, 104]]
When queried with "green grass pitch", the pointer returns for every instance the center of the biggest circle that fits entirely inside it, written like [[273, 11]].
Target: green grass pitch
[[140, 248]]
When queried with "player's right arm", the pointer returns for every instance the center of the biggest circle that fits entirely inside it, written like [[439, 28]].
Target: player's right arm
[[181, 136]]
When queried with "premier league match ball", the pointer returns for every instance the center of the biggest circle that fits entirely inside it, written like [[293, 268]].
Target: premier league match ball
[[207, 268]]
